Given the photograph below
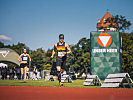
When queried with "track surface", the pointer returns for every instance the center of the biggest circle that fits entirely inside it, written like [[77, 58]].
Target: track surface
[[63, 93]]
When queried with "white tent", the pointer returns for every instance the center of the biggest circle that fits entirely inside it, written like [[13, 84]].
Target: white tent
[[3, 65]]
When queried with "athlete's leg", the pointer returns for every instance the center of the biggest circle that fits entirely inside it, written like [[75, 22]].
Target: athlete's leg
[[27, 76], [62, 70], [59, 74], [58, 66], [63, 65], [25, 69], [22, 72]]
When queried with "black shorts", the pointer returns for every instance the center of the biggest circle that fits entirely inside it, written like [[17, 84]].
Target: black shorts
[[22, 65], [61, 62], [27, 74]]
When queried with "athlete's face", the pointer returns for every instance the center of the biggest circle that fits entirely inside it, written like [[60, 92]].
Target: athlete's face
[[24, 50], [61, 40]]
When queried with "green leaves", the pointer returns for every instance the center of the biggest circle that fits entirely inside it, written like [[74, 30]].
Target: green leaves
[[80, 57], [41, 59], [127, 54], [123, 23]]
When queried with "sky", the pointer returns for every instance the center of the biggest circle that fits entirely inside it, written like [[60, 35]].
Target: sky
[[38, 23]]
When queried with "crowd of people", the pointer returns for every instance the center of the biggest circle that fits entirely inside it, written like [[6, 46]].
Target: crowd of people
[[15, 73], [9, 73]]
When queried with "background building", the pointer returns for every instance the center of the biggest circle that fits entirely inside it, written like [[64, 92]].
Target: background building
[[104, 25]]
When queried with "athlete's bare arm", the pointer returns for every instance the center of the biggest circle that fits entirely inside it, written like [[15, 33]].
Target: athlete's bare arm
[[68, 48], [53, 52], [29, 57], [19, 58]]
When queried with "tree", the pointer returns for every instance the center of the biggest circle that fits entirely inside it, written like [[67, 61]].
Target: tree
[[18, 47], [41, 59], [84, 45], [37, 58], [1, 45], [86, 62], [123, 23], [80, 57], [127, 54]]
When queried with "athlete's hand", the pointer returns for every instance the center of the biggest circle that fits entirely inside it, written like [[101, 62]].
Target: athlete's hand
[[52, 57], [64, 53], [19, 61]]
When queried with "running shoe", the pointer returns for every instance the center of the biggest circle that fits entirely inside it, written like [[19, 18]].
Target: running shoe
[[61, 84]]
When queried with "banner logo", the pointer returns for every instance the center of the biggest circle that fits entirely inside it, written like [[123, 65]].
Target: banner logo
[[4, 53], [104, 39]]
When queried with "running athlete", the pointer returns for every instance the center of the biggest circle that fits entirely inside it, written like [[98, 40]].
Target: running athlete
[[62, 50], [23, 63]]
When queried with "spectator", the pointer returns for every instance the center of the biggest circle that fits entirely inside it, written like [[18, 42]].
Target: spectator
[[11, 73], [35, 71], [7, 73], [27, 73], [4, 73], [0, 71], [14, 71], [18, 73]]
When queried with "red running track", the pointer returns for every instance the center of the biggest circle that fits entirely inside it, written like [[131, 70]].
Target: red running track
[[63, 93]]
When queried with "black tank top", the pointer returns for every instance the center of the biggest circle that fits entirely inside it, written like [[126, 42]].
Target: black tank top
[[60, 49], [24, 57]]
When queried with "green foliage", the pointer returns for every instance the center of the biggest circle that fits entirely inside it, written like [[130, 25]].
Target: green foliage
[[1, 45], [42, 83], [80, 57], [121, 21], [47, 66], [18, 47], [86, 61], [127, 54], [41, 59], [36, 59]]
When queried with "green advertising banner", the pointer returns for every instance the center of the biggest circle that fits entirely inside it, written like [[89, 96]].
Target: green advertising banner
[[105, 53]]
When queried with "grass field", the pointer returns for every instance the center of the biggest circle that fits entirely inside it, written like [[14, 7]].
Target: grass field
[[76, 83], [42, 83]]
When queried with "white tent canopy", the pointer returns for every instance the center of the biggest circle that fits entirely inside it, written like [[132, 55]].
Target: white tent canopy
[[3, 65]]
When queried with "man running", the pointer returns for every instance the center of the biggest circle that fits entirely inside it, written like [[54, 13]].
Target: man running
[[23, 63], [62, 50]]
